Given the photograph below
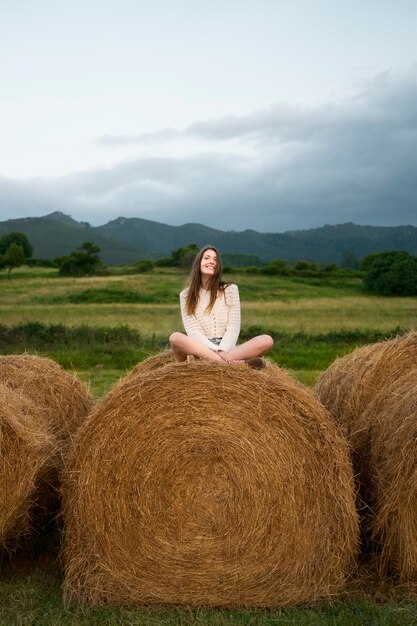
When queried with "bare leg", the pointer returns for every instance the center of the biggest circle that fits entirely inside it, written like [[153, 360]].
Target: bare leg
[[257, 346], [182, 345]]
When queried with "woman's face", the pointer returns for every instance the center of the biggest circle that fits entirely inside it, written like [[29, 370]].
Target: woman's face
[[208, 263]]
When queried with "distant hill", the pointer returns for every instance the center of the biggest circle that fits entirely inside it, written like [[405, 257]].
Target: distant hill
[[126, 240], [58, 234]]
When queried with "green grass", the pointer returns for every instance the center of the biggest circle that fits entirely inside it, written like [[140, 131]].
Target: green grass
[[104, 354], [150, 304], [35, 599]]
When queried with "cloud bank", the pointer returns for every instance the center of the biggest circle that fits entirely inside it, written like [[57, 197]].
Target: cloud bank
[[286, 167]]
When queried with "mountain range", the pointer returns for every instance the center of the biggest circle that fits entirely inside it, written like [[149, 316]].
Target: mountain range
[[126, 240]]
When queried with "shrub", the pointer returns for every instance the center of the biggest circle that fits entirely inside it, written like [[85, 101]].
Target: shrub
[[252, 269], [145, 265], [17, 238], [166, 261], [13, 257], [391, 274], [84, 261], [38, 335], [302, 265], [41, 263], [276, 267]]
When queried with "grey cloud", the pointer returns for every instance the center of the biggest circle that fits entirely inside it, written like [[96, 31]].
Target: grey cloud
[[352, 161], [165, 134]]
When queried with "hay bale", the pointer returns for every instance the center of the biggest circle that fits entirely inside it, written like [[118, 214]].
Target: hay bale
[[52, 406], [167, 358], [63, 399], [352, 381], [392, 475], [26, 447], [205, 484], [154, 362], [372, 394]]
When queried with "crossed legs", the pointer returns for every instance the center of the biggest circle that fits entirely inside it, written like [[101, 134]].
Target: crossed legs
[[257, 346], [182, 346]]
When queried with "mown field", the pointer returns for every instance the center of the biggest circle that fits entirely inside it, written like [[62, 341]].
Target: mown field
[[100, 327]]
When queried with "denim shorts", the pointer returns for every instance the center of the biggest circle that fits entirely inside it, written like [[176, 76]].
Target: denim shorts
[[216, 340]]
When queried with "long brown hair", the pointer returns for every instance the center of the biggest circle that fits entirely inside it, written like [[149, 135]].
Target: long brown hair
[[215, 282]]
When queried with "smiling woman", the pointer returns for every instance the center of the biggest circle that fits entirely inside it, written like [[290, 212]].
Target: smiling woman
[[210, 310]]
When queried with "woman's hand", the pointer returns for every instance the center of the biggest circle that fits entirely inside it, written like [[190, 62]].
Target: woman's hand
[[225, 356]]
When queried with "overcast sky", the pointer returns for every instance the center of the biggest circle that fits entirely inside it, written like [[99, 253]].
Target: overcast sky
[[263, 114]]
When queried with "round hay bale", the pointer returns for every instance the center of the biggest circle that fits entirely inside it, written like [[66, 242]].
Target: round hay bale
[[352, 381], [372, 394], [392, 475], [167, 358], [63, 399], [154, 362], [205, 484], [26, 448]]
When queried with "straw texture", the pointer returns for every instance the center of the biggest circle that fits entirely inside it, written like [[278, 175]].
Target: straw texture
[[393, 468], [153, 363], [63, 399], [372, 393], [26, 446], [204, 484], [41, 407]]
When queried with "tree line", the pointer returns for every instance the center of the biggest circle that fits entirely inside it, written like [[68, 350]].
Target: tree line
[[391, 273]]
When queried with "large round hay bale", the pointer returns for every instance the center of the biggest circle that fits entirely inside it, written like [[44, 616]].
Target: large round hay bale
[[167, 358], [372, 394], [205, 484], [56, 404], [352, 381], [154, 362], [26, 447], [63, 399], [391, 475]]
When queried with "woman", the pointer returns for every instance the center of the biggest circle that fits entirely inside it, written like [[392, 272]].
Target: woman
[[210, 310]]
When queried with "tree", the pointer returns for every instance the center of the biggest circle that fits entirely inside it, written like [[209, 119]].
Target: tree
[[144, 265], [277, 267], [391, 273], [84, 261], [13, 257], [367, 261], [306, 266], [18, 238], [183, 257]]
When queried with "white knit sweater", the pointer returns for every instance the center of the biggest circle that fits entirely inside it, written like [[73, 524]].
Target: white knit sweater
[[222, 321]]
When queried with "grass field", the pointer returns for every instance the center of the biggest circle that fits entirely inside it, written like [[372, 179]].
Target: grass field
[[277, 303], [313, 321]]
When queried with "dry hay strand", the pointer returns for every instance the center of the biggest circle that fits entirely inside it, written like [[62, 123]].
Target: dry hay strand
[[392, 475], [63, 399], [203, 484], [352, 381], [372, 394], [26, 448], [154, 362], [59, 402], [167, 358]]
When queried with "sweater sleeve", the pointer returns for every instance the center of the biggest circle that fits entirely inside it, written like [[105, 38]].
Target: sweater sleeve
[[192, 326], [230, 337]]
